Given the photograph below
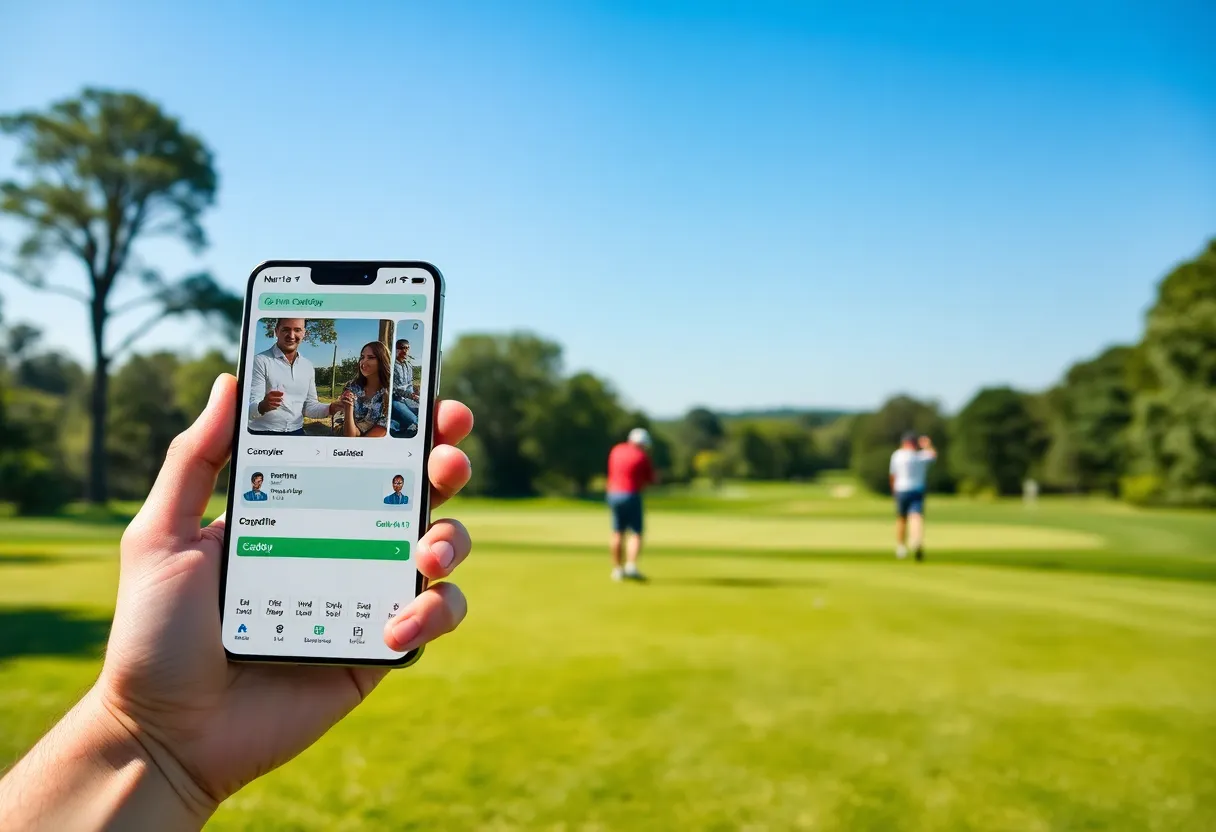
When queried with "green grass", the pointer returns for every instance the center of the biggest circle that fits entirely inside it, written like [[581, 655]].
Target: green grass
[[1050, 668]]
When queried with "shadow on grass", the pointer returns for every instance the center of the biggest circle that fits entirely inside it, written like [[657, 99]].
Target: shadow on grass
[[744, 582], [51, 631], [28, 560], [40, 559]]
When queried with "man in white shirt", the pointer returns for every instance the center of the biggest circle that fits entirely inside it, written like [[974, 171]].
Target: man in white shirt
[[283, 385], [909, 472]]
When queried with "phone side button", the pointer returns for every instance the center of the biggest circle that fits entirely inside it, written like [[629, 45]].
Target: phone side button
[[439, 373]]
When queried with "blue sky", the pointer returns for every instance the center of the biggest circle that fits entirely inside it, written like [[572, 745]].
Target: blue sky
[[868, 198]]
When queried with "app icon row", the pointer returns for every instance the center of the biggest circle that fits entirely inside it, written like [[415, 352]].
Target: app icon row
[[313, 611]]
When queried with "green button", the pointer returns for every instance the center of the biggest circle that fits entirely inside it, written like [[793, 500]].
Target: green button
[[322, 547], [309, 304]]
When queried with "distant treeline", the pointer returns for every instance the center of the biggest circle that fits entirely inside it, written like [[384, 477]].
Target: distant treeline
[[1137, 421]]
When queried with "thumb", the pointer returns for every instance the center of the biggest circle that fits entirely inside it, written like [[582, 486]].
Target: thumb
[[186, 481]]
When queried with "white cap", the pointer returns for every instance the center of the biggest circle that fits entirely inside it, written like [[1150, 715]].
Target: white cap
[[640, 436]]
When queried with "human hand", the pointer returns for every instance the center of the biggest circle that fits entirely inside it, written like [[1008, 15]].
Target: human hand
[[271, 401], [347, 400], [925, 443], [209, 726]]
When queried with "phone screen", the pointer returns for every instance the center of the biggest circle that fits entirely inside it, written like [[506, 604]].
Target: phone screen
[[328, 493]]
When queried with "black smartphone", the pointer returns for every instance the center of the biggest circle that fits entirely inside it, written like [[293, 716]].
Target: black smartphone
[[328, 493]]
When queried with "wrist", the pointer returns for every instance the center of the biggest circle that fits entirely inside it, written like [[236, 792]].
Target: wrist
[[94, 770], [153, 783]]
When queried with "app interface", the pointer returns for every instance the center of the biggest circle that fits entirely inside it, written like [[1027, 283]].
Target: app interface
[[328, 468]]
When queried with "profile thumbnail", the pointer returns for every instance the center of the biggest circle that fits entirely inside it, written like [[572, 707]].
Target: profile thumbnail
[[397, 498], [320, 377], [255, 494]]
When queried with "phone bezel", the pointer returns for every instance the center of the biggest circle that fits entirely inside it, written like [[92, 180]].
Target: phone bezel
[[436, 327]]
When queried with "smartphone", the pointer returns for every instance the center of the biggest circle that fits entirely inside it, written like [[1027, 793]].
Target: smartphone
[[328, 492]]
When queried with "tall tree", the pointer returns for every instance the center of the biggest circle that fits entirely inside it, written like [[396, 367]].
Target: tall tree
[[701, 430], [578, 429], [876, 435], [104, 171], [1175, 420], [145, 415], [996, 440], [1090, 410], [508, 381]]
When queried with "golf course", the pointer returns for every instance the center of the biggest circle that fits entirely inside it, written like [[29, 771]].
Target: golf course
[[1050, 666]]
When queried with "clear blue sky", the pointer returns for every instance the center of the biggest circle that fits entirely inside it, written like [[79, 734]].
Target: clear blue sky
[[867, 197]]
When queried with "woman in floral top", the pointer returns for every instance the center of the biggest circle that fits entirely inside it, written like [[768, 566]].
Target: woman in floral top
[[364, 402]]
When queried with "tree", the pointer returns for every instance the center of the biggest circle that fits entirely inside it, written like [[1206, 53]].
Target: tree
[[771, 449], [194, 379], [51, 372], [33, 475], [106, 170], [755, 456], [1174, 430], [876, 435], [701, 430], [22, 338], [577, 430], [508, 381], [833, 442], [996, 440], [1090, 410], [145, 414]]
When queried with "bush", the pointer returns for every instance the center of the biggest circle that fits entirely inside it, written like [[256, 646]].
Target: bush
[[33, 483], [1142, 489]]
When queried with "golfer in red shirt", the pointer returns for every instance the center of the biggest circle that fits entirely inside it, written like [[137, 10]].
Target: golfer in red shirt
[[629, 472]]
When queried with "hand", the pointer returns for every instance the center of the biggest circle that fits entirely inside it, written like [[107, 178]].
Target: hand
[[925, 443], [210, 726], [347, 400], [272, 401]]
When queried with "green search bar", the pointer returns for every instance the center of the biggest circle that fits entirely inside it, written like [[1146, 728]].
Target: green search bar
[[371, 302], [322, 547]]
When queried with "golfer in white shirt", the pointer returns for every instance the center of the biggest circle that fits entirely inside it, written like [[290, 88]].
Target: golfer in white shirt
[[283, 385], [909, 472]]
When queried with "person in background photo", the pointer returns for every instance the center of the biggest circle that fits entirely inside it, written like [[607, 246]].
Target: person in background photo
[[629, 473], [405, 397], [364, 401], [397, 498], [256, 494], [909, 473], [283, 385]]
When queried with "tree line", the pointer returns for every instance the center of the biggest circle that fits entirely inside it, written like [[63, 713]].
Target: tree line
[[1135, 421], [104, 171]]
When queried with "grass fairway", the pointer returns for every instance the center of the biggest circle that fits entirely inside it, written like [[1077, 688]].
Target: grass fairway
[[1049, 668]]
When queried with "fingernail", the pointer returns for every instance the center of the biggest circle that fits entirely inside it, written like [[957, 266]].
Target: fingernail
[[405, 631], [443, 552]]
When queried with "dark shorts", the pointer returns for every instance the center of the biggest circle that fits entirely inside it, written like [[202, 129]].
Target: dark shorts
[[626, 512], [909, 502]]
